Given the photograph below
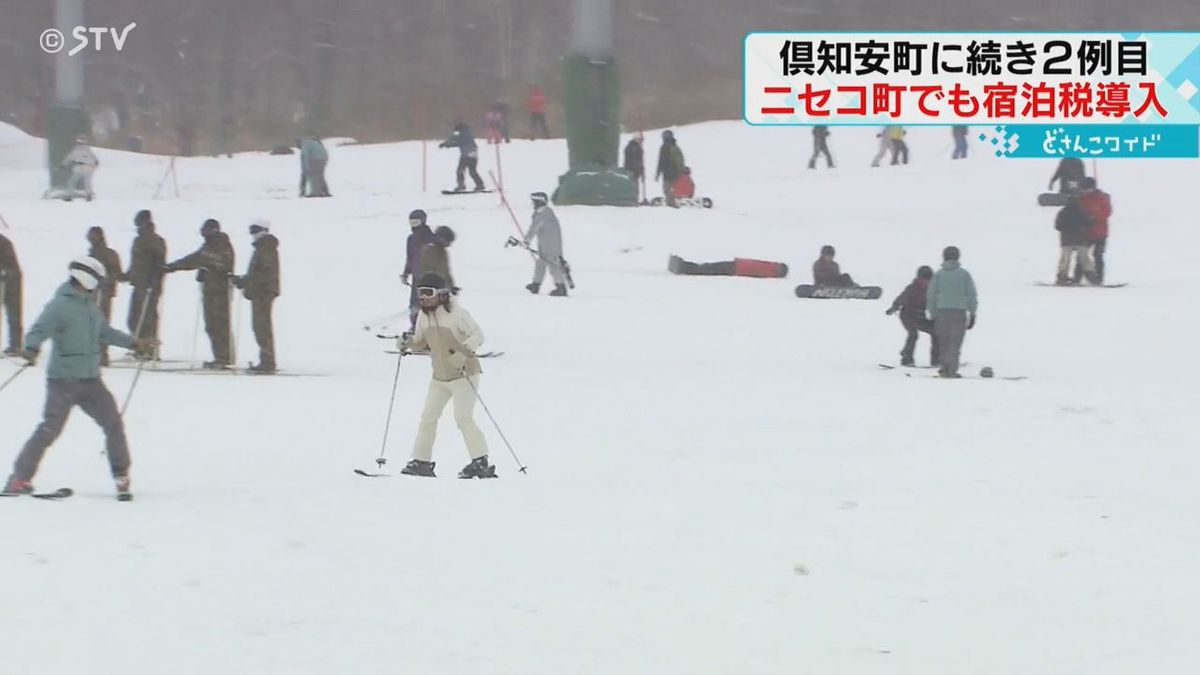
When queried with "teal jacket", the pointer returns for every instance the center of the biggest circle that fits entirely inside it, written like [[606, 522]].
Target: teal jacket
[[951, 288], [311, 149], [77, 329]]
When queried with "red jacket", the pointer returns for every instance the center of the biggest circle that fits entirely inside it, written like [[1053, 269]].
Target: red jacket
[[537, 101], [1098, 205], [683, 186]]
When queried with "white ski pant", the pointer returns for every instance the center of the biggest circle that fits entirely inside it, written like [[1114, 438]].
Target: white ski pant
[[462, 392], [1084, 259], [80, 180], [539, 272]]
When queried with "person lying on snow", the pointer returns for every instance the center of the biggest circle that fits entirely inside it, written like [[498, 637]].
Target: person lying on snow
[[738, 267]]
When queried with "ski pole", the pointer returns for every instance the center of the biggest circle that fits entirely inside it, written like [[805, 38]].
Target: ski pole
[[14, 376], [500, 431], [3, 298], [504, 201], [391, 404], [195, 330]]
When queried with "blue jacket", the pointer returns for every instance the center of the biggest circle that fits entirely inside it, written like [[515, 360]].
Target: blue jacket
[[462, 139], [77, 329], [952, 288], [311, 149]]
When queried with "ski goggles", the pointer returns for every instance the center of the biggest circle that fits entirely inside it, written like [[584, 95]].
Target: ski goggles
[[427, 292]]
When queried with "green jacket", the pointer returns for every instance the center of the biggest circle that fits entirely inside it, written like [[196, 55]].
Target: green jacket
[[951, 288], [73, 323]]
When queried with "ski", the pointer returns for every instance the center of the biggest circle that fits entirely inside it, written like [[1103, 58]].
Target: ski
[[694, 202], [368, 474], [483, 355], [60, 493], [886, 366], [466, 192], [1084, 285]]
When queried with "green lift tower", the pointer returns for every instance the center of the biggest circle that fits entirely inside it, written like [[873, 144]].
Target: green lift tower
[[592, 103]]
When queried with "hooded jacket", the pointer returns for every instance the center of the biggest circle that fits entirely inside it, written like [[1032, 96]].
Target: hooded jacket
[[952, 288], [76, 328]]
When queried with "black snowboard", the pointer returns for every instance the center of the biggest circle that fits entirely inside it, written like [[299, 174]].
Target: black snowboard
[[1080, 285], [466, 192], [839, 292], [1054, 198]]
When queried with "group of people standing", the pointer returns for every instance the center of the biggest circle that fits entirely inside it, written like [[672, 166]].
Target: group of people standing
[[1082, 224], [671, 169], [891, 140]]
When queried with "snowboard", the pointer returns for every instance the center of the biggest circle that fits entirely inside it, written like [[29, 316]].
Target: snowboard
[[484, 355], [839, 292], [1080, 285], [1010, 378], [61, 493], [1054, 198], [694, 202], [466, 192]]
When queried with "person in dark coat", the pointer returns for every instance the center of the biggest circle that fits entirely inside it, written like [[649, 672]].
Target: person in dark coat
[[260, 285], [1074, 224], [826, 272], [911, 305], [635, 159], [420, 236], [468, 156], [10, 294], [435, 256], [820, 136], [147, 261], [1069, 175], [112, 276], [1098, 205], [670, 165], [213, 263], [959, 134]]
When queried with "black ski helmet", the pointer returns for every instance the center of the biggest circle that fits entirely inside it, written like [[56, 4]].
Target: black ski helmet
[[950, 253], [416, 214], [210, 226], [828, 250], [445, 234], [432, 280]]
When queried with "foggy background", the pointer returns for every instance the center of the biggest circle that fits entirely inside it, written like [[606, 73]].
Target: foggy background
[[396, 69]]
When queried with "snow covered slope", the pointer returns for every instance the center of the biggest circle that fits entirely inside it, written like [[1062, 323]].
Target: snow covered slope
[[720, 479]]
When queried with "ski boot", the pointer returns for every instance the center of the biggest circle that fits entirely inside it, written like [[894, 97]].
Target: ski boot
[[216, 365], [908, 361], [675, 264], [419, 467], [480, 188], [17, 486], [261, 369], [533, 287], [12, 351], [560, 291], [478, 468], [122, 484]]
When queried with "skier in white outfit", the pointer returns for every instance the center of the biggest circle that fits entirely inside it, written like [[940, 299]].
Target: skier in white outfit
[[545, 228], [82, 162], [446, 330]]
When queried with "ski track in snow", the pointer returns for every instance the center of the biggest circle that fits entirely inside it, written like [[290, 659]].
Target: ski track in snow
[[721, 479]]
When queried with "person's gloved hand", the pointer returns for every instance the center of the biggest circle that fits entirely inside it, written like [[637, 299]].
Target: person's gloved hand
[[145, 346], [971, 323], [404, 279], [890, 311], [458, 360]]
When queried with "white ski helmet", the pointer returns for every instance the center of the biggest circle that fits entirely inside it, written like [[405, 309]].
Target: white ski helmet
[[88, 271], [539, 198]]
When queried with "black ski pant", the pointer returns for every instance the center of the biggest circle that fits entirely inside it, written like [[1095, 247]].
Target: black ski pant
[[264, 333], [10, 302], [724, 268], [537, 125], [914, 326], [216, 323], [820, 147], [96, 402], [468, 164], [899, 151], [149, 322]]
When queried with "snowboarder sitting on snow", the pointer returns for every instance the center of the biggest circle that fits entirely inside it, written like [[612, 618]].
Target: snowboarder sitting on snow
[[911, 305], [684, 187], [82, 162], [452, 338], [1073, 225], [545, 228], [1069, 175], [468, 157], [738, 267], [826, 272], [73, 322]]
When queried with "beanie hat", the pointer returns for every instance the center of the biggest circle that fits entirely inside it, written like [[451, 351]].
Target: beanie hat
[[828, 250], [260, 228], [431, 280], [88, 271], [445, 234], [924, 272], [210, 225]]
